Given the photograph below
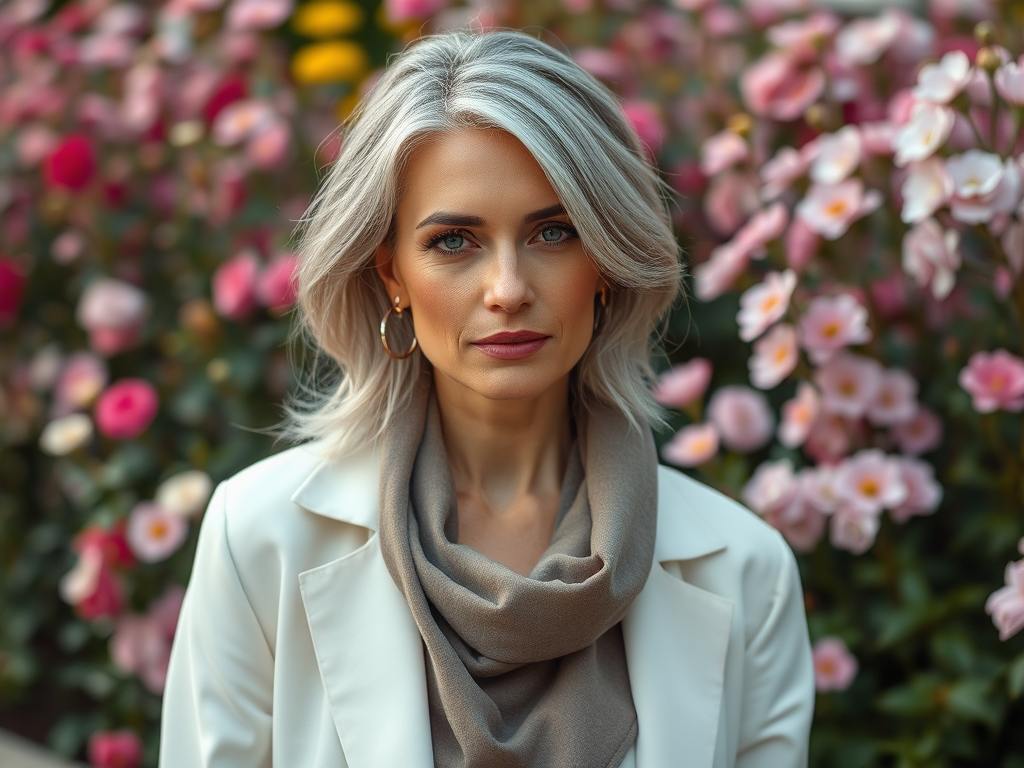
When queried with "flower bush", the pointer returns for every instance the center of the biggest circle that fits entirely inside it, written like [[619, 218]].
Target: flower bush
[[851, 359]]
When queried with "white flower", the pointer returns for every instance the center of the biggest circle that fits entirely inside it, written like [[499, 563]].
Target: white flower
[[775, 357], [941, 83], [983, 186], [829, 209], [837, 157], [1009, 80], [153, 533], [927, 129], [927, 187], [764, 303], [186, 493], [863, 41], [62, 436]]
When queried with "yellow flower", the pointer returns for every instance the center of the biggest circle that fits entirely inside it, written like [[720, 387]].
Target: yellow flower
[[329, 62], [326, 18]]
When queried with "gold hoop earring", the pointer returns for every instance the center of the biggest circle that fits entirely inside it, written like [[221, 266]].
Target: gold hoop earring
[[384, 332], [598, 316]]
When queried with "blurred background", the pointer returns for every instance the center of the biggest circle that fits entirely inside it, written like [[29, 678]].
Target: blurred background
[[849, 182]]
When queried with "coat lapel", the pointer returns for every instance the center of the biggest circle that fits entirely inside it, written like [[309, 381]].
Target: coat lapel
[[676, 636], [370, 653]]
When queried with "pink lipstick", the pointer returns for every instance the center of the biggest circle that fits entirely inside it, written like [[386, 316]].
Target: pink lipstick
[[511, 345]]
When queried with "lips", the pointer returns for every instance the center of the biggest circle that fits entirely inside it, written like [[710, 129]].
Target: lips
[[511, 345], [512, 337]]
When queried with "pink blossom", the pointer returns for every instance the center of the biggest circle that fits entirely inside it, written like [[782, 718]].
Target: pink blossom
[[1006, 605], [853, 529], [713, 277], [848, 384], [832, 323], [103, 50], [234, 286], [830, 209], [923, 492], [775, 357], [870, 481], [926, 188], [863, 41], [81, 378], [798, 415], [820, 487], [12, 289], [771, 487], [889, 295], [798, 521], [692, 445], [923, 133], [241, 120], [763, 227], [782, 170], [931, 256], [995, 381], [1009, 80], [765, 303], [832, 437], [91, 587], [34, 143], [67, 246], [834, 666], [126, 408], [601, 63], [743, 418], [723, 150], [647, 122], [684, 383], [801, 244], [1013, 245], [269, 148], [399, 11], [166, 609], [275, 287], [139, 646], [776, 86], [115, 749], [920, 434], [141, 104], [895, 401], [730, 199], [941, 83], [801, 38], [154, 534], [258, 14], [113, 312], [838, 155], [876, 137], [983, 186]]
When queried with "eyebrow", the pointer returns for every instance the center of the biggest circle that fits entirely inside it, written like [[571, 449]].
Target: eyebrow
[[464, 220]]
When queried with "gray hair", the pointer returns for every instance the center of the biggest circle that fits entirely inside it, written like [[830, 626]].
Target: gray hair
[[574, 127]]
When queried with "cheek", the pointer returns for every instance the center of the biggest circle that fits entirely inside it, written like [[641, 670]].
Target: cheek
[[439, 312], [570, 294]]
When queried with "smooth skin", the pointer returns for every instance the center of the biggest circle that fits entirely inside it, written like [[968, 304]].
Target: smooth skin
[[483, 247]]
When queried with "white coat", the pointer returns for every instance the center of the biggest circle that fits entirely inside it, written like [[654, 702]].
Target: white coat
[[295, 649]]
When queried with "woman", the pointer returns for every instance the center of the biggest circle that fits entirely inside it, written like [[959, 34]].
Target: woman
[[474, 559]]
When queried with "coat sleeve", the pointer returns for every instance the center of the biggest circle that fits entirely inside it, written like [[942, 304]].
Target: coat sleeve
[[219, 691], [779, 686]]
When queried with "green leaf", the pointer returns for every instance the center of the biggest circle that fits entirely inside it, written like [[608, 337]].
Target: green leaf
[[918, 697], [971, 699], [1015, 677]]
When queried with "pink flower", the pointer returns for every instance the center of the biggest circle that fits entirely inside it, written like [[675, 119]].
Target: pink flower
[[995, 381], [920, 434], [166, 609], [683, 384], [776, 86], [983, 186], [113, 312], [743, 418], [931, 256], [155, 534], [71, 165], [115, 749], [90, 586], [870, 481], [723, 150], [834, 666], [399, 11], [798, 521], [258, 14], [275, 287], [763, 227], [923, 133], [139, 646], [81, 379], [838, 155], [801, 244], [853, 529], [763, 304], [692, 445], [832, 437], [269, 148], [895, 401], [647, 123], [12, 289], [876, 137], [832, 323], [126, 408], [801, 38], [771, 487], [1006, 605], [730, 199], [941, 83], [830, 209], [863, 41], [775, 357], [820, 487], [234, 286], [781, 171], [1009, 80], [923, 492], [798, 416], [926, 188], [848, 384], [241, 120], [713, 277]]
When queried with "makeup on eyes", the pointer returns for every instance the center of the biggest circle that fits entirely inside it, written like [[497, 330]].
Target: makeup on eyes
[[432, 242]]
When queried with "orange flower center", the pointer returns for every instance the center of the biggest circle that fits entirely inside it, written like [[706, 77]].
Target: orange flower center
[[158, 529], [869, 486], [836, 208], [830, 329]]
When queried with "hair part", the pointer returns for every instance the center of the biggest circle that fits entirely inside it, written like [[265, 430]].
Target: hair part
[[574, 127]]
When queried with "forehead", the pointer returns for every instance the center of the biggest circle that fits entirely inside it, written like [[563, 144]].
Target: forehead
[[474, 166]]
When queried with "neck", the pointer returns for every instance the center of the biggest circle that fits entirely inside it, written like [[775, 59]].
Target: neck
[[503, 450]]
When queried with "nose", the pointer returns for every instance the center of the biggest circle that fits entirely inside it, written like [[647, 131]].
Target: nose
[[508, 286]]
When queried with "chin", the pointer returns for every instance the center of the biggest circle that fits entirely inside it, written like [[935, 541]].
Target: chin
[[523, 382]]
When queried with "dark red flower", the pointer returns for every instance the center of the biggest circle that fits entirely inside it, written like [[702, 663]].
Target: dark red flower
[[12, 288], [232, 88], [71, 164]]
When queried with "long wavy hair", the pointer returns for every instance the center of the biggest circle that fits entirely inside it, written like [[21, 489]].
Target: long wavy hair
[[574, 127]]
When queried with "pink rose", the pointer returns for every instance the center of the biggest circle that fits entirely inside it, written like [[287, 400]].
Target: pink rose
[[895, 401], [692, 445], [71, 165], [995, 381], [234, 286], [275, 287], [126, 408], [799, 415], [848, 384], [870, 481], [742, 416], [1006, 605], [920, 434], [113, 312], [139, 646], [834, 665], [771, 487], [647, 123], [115, 749]]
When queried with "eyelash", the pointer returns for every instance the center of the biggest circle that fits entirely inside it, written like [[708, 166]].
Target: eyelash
[[431, 244]]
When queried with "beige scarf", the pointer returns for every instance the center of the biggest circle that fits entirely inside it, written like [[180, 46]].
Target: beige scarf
[[523, 671]]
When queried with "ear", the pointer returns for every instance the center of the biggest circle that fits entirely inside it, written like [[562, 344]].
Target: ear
[[387, 270]]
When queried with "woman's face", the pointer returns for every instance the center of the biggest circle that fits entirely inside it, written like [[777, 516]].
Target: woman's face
[[500, 288]]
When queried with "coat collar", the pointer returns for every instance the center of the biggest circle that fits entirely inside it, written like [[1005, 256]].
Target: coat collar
[[370, 654]]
